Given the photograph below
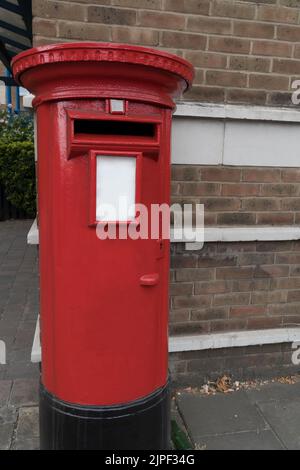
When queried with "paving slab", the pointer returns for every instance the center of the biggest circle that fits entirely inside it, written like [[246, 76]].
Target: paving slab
[[26, 444], [5, 389], [28, 423], [249, 440], [6, 435], [219, 414], [24, 392], [284, 419], [274, 392]]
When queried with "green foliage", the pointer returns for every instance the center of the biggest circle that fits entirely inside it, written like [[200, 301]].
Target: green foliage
[[16, 127], [17, 166]]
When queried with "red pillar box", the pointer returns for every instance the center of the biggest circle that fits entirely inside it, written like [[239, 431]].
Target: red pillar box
[[103, 131]]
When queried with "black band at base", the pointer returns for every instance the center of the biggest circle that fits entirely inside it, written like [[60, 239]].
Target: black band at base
[[140, 425]]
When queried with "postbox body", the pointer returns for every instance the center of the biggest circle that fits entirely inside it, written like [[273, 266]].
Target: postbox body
[[104, 333], [103, 133]]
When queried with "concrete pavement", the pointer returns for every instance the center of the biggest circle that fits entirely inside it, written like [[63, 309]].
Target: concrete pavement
[[263, 417]]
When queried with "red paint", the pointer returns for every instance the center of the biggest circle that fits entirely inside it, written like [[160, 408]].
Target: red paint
[[104, 303]]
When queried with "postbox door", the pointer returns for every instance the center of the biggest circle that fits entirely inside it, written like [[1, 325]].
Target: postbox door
[[132, 272]]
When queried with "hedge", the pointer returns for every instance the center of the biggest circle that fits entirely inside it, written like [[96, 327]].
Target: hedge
[[17, 165]]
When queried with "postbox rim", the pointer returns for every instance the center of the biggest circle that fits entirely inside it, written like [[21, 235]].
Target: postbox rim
[[102, 52]]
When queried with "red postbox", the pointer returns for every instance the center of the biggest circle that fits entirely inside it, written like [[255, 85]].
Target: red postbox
[[103, 132]]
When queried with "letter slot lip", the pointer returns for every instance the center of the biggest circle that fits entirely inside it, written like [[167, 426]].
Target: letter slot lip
[[79, 143], [151, 279]]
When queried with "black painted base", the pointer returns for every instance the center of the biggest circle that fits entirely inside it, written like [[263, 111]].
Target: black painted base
[[140, 425]]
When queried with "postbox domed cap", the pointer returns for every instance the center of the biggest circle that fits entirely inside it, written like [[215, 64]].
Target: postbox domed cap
[[102, 55]]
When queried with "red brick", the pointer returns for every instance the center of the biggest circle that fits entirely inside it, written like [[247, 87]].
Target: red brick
[[279, 99], [228, 325], [210, 219], [297, 51], [214, 313], [199, 77], [188, 6], [220, 174], [247, 285], [291, 320], [261, 204], [185, 173], [232, 299], [211, 260], [110, 15], [246, 259], [229, 44], [274, 246], [269, 82], [183, 40], [272, 297], [256, 175], [284, 310], [283, 189], [184, 261], [240, 95], [83, 31], [295, 271], [287, 283], [246, 311], [147, 4], [190, 274], [271, 271], [253, 29], [272, 48], [132, 35], [212, 287], [294, 296], [181, 288], [277, 14], [233, 9], [241, 189], [180, 315], [224, 78], [288, 33], [57, 9], [290, 204], [291, 175], [295, 245], [233, 218], [264, 323], [277, 218], [287, 67], [163, 20], [189, 328], [200, 189], [200, 93], [234, 273], [220, 204], [44, 27], [192, 301], [209, 60], [251, 64], [204, 24]]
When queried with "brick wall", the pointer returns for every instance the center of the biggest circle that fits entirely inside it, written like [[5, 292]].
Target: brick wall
[[235, 286], [252, 362], [243, 51], [240, 195]]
